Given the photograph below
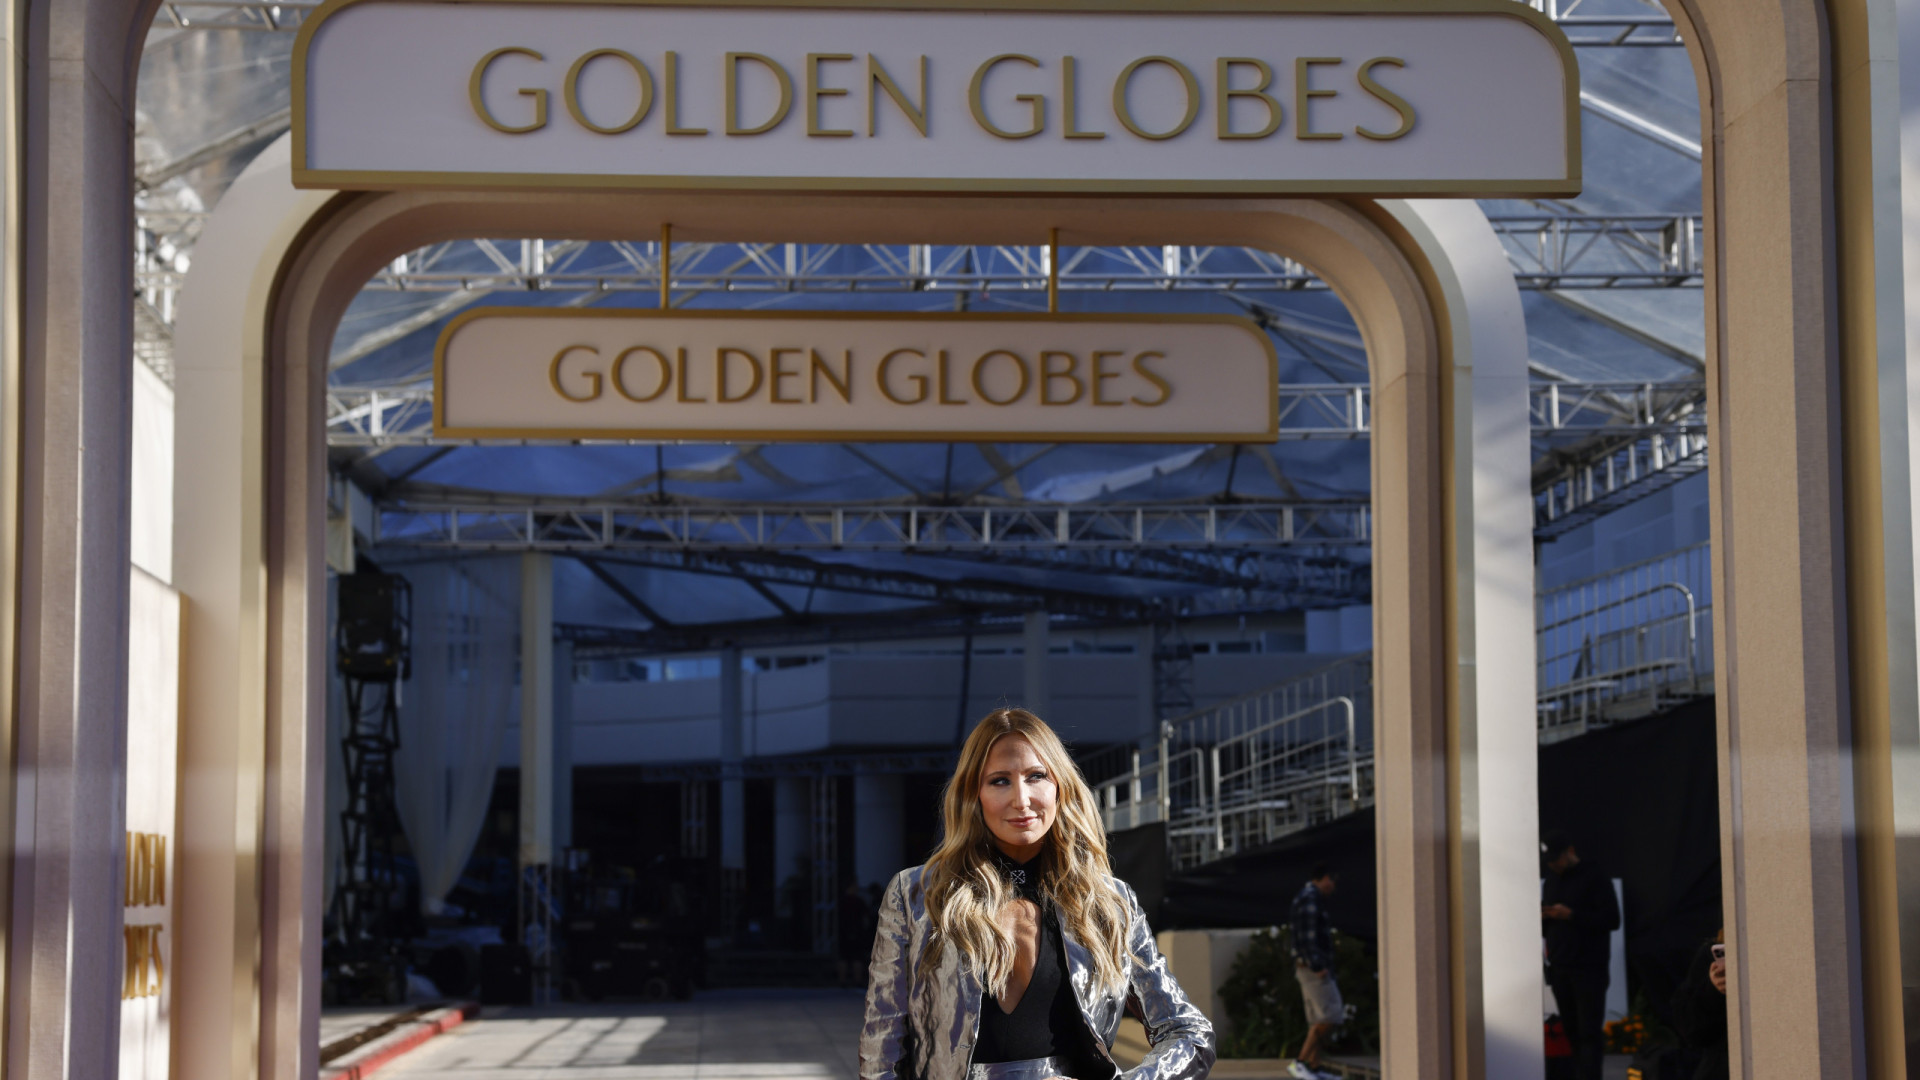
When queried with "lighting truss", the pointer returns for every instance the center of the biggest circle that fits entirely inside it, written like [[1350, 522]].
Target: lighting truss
[[234, 15], [1559, 408], [400, 414], [1573, 489], [1548, 251], [1594, 251], [1581, 30], [926, 530]]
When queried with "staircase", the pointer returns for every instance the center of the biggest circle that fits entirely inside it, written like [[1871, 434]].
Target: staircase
[[1248, 771]]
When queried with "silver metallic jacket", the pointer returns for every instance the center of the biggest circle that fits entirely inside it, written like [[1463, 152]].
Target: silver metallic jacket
[[924, 1029]]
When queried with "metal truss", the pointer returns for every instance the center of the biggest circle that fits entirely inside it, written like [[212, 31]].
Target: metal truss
[[628, 527], [1615, 407], [1591, 251], [1581, 30], [1631, 441], [1573, 489], [1548, 251], [400, 415], [288, 15]]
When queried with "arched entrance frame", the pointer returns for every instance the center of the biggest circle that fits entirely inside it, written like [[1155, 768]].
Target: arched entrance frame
[[1429, 285], [1812, 533]]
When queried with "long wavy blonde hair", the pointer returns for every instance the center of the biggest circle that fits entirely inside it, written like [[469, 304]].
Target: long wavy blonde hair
[[964, 888]]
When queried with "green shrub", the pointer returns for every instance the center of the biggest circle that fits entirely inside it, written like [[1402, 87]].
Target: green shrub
[[1262, 998]]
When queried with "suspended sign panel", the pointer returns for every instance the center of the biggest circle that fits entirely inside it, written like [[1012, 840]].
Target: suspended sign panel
[[839, 377], [1435, 97]]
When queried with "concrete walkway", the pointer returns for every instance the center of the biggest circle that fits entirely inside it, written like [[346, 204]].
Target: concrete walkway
[[720, 1035]]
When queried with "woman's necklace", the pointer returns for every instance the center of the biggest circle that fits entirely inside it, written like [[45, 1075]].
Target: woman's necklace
[[1022, 878]]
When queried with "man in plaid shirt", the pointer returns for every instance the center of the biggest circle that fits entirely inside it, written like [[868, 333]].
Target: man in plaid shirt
[[1313, 966]]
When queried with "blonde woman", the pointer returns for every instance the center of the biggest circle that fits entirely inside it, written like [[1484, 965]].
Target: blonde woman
[[1014, 952]]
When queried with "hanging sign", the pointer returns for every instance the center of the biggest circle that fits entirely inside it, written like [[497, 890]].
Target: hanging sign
[[1429, 97], [550, 373]]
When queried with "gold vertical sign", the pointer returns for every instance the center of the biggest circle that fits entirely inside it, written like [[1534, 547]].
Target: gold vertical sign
[[146, 970]]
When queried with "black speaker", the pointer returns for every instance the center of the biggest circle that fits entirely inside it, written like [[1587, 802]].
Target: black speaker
[[371, 644], [506, 975]]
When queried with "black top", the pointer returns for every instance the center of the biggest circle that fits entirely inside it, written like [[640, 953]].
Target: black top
[[1028, 1031], [1047, 1020], [1580, 943]]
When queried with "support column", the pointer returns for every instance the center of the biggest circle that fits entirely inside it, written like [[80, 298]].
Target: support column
[[733, 789], [562, 745], [1039, 688], [536, 711], [1148, 723], [536, 768], [878, 837], [791, 848]]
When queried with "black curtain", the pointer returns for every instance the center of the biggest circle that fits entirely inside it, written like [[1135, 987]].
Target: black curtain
[[1139, 858], [1257, 888], [1641, 801]]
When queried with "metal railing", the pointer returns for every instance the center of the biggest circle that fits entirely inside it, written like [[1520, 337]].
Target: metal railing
[[1249, 770], [1624, 643]]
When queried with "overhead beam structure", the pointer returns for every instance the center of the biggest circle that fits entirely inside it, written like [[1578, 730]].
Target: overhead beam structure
[[288, 15], [400, 414], [489, 524]]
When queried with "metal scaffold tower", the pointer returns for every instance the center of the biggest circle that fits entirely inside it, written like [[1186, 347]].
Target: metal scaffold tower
[[372, 653]]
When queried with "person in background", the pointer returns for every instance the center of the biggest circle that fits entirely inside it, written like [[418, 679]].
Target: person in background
[[853, 933], [1700, 1009], [1578, 915], [1313, 966]]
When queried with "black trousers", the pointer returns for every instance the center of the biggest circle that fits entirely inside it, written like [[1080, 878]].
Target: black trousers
[[1582, 996]]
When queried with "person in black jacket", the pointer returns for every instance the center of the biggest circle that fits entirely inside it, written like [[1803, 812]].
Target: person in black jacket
[[1578, 915], [1700, 1010]]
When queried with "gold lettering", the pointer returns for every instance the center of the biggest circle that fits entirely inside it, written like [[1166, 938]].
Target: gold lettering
[[160, 870], [878, 79], [734, 126], [618, 376], [142, 867], [680, 394], [976, 103], [159, 961], [1140, 368], [1303, 94], [1398, 103], [570, 91], [920, 381], [1048, 376], [1125, 113], [945, 399], [479, 77], [1101, 375], [1070, 101], [1225, 94], [1020, 363], [134, 967], [143, 968], [775, 373], [720, 366], [593, 377], [817, 368], [815, 92], [672, 105]]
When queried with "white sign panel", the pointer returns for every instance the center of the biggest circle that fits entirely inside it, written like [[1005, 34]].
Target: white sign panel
[[153, 741], [841, 377], [1433, 97]]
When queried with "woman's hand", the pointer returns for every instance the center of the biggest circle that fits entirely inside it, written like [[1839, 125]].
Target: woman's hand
[[1717, 975]]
